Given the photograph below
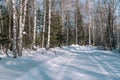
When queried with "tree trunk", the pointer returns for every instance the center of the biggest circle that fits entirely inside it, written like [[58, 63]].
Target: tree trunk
[[62, 20], [48, 41], [20, 30], [90, 31], [76, 28], [14, 29], [67, 36], [43, 36], [93, 35], [21, 25], [10, 18], [1, 28], [34, 32], [62, 14]]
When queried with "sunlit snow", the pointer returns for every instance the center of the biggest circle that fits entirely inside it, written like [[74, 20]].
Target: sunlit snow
[[66, 63]]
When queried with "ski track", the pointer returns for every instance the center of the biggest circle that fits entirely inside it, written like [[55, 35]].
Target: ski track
[[106, 65], [59, 65], [59, 73], [110, 68], [52, 73]]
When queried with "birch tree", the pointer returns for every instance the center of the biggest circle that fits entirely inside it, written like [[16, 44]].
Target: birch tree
[[1, 21], [62, 15], [77, 7], [49, 24], [22, 17], [43, 36], [89, 24], [14, 28], [118, 28], [20, 29], [62, 19], [9, 7], [34, 31], [110, 34]]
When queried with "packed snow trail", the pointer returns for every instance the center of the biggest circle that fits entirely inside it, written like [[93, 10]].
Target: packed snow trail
[[71, 63]]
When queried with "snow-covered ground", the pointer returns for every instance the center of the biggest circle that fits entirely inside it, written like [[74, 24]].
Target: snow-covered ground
[[66, 63]]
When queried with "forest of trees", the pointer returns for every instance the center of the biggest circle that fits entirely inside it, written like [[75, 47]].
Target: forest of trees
[[52, 23]]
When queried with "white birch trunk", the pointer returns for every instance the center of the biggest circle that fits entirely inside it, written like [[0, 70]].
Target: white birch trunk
[[20, 30], [2, 27], [67, 36], [67, 42], [22, 25], [118, 41], [102, 33], [93, 35], [100, 18], [8, 5], [89, 25], [77, 8], [24, 14], [90, 31], [62, 14], [48, 41], [1, 20], [10, 18], [118, 36], [43, 36], [62, 18], [34, 33], [14, 29], [76, 28]]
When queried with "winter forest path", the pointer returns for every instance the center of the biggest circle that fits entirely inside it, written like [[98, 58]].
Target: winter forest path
[[78, 64], [73, 63]]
